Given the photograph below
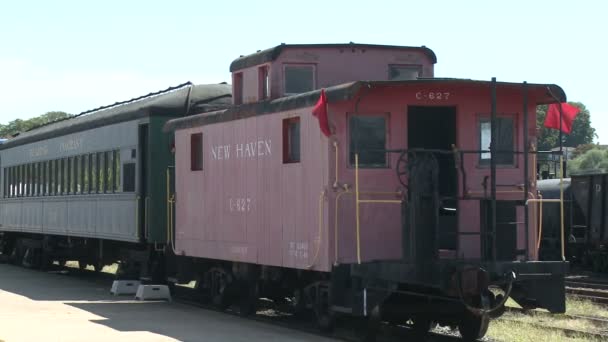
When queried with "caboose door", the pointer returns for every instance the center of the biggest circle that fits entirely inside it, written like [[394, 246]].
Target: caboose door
[[432, 207]]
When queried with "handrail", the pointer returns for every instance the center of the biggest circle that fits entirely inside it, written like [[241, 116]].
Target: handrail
[[337, 206], [358, 201], [540, 223], [314, 260]]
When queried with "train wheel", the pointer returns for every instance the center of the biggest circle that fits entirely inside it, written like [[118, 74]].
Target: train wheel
[[220, 287], [473, 327], [325, 318]]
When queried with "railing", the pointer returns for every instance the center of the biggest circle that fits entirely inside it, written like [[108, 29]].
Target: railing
[[459, 156]]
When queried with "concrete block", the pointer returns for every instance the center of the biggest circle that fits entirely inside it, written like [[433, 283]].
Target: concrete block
[[151, 292], [124, 287]]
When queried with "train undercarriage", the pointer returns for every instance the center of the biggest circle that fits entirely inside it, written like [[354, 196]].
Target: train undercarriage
[[455, 294]]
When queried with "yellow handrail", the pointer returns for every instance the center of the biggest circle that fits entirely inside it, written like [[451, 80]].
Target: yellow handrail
[[314, 260], [336, 210], [379, 201], [540, 223]]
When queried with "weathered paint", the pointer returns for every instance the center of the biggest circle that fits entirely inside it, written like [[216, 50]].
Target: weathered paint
[[333, 66], [252, 208], [281, 228]]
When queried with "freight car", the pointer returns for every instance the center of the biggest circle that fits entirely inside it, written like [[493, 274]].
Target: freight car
[[585, 221], [87, 188], [401, 199]]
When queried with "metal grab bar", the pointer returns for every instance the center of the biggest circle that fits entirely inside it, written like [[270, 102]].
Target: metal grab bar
[[337, 206], [358, 201], [321, 201]]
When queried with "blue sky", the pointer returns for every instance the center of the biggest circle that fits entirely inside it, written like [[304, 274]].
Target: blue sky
[[77, 55]]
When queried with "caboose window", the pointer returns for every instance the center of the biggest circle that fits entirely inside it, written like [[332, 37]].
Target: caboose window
[[291, 140], [196, 152], [403, 72], [368, 139], [504, 141], [238, 88], [299, 78], [264, 82]]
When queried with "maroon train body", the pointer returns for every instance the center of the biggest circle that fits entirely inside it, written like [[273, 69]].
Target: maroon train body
[[401, 213]]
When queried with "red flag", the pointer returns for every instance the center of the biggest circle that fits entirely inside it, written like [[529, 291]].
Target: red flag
[[320, 112], [569, 113]]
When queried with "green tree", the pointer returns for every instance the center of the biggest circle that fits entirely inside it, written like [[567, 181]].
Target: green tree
[[593, 159], [18, 125], [582, 132]]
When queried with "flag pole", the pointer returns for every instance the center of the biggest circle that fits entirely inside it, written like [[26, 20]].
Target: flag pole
[[561, 133]]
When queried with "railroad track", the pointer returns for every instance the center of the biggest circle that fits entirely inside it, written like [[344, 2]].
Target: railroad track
[[594, 291], [566, 331], [595, 320], [599, 322]]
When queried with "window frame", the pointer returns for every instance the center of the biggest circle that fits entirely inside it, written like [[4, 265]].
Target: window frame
[[239, 87], [480, 119], [264, 82], [313, 66], [387, 125], [287, 157], [409, 66], [196, 155]]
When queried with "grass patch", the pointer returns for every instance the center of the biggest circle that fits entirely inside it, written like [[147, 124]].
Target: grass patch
[[508, 331], [517, 326], [555, 321], [575, 306]]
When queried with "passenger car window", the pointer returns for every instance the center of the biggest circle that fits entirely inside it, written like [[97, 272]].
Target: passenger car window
[[128, 170]]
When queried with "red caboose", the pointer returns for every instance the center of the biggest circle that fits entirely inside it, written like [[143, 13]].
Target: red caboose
[[412, 207]]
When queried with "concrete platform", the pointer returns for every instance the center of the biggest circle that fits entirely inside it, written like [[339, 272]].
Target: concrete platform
[[38, 306]]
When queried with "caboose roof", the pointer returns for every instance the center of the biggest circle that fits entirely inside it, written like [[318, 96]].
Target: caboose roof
[[347, 91], [273, 53], [173, 100]]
